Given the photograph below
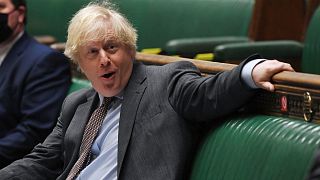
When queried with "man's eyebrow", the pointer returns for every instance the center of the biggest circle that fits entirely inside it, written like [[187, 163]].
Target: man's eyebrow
[[110, 40]]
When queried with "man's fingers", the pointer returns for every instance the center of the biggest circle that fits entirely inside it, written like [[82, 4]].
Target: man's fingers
[[267, 86], [264, 71], [278, 66], [286, 67]]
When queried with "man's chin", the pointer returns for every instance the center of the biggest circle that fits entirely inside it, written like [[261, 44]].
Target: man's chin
[[106, 92]]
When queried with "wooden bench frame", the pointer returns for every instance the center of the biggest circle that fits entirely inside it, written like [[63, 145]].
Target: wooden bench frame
[[296, 95]]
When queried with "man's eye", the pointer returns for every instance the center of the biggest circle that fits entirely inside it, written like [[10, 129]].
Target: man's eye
[[112, 48], [93, 51]]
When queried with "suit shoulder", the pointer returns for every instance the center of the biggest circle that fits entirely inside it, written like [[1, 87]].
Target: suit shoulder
[[179, 68], [40, 51], [175, 67], [180, 65], [73, 100], [80, 96], [34, 45]]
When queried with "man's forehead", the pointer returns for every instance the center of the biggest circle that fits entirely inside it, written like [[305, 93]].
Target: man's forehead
[[101, 42], [102, 36]]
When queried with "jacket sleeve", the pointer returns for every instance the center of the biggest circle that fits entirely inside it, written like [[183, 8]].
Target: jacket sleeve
[[200, 98], [44, 162], [43, 92], [47, 160]]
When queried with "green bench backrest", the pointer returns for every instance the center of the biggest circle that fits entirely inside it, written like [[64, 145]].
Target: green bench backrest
[[51, 17], [78, 84], [157, 21], [160, 21], [258, 148], [311, 50]]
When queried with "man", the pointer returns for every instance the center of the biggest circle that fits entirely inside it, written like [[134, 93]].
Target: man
[[148, 132], [34, 80]]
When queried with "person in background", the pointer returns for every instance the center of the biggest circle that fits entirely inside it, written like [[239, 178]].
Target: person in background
[[137, 122], [34, 80]]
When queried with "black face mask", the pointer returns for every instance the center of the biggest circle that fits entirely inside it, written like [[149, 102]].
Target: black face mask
[[5, 30]]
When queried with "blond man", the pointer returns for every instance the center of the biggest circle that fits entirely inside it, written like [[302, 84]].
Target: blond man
[[149, 129]]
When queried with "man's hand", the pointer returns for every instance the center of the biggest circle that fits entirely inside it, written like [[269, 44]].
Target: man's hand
[[263, 72]]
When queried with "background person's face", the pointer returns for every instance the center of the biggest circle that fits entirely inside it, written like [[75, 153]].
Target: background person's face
[[15, 16], [108, 65]]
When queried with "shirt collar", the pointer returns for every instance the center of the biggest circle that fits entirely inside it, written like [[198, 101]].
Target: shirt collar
[[119, 96]]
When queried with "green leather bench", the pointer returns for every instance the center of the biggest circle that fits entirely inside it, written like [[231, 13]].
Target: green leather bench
[[78, 83], [273, 138], [257, 147], [157, 21], [269, 21], [51, 17], [305, 56], [161, 21]]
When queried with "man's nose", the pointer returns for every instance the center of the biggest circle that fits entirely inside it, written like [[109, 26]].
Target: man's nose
[[104, 58]]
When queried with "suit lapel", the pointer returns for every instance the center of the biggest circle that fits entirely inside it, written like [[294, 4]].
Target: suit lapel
[[132, 96], [81, 118], [14, 54]]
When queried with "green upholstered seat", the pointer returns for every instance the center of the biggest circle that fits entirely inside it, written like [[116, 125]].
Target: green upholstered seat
[[309, 50], [51, 17], [157, 21], [78, 84], [195, 27], [160, 21], [257, 147], [284, 49], [190, 47]]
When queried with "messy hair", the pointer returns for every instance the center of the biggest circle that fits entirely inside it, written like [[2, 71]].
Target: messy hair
[[92, 23]]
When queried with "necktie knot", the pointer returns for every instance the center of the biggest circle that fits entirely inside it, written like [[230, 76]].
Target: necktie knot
[[106, 101]]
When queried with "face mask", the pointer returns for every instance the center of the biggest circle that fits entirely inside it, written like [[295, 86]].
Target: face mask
[[5, 30]]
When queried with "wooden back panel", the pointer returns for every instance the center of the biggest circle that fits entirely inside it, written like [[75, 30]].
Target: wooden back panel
[[277, 20]]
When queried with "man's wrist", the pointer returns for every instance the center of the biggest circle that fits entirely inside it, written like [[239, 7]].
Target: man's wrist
[[246, 73]]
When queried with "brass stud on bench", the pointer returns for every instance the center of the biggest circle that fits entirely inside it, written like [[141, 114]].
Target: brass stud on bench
[[307, 111]]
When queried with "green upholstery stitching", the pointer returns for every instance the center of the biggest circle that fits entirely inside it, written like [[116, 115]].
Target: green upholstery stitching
[[258, 147]]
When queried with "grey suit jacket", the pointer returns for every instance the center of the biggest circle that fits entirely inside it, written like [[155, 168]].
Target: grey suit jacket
[[161, 106]]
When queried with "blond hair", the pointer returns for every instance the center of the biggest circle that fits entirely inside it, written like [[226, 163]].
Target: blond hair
[[92, 24]]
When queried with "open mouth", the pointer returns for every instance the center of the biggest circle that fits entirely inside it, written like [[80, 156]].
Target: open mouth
[[108, 75]]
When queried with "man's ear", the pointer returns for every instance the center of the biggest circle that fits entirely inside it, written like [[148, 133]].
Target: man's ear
[[22, 13], [132, 52]]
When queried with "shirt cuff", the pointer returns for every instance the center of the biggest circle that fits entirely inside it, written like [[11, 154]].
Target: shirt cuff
[[246, 73]]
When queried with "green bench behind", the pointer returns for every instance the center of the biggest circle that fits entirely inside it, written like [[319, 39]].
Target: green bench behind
[[258, 147], [160, 21], [157, 21], [304, 56], [78, 84]]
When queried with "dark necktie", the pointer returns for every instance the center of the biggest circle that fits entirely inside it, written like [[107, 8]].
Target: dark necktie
[[89, 135]]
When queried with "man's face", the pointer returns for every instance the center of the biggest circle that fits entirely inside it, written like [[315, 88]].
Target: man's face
[[15, 16], [107, 64]]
